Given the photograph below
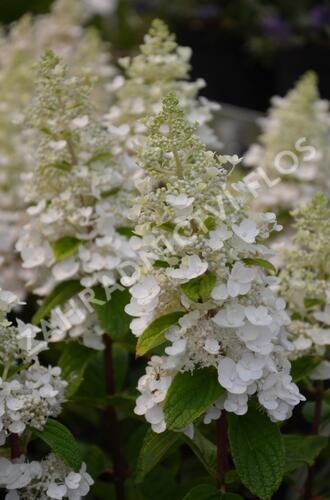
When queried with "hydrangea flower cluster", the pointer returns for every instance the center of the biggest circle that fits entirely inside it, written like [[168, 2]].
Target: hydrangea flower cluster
[[30, 395], [29, 399], [82, 184], [20, 48], [294, 145], [305, 281], [77, 192], [50, 478], [201, 251], [160, 67]]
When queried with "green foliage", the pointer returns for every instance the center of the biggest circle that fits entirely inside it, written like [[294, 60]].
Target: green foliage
[[301, 450], [61, 441], [95, 459], [309, 410], [200, 288], [154, 448], [65, 247], [93, 385], [154, 334], [125, 231], [190, 395], [309, 302], [302, 367], [258, 452], [61, 294], [160, 483], [73, 362], [208, 491], [60, 165], [205, 491], [205, 451], [261, 263], [111, 314]]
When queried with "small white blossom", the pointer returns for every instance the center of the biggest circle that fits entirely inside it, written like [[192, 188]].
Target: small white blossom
[[191, 267], [240, 279], [247, 230]]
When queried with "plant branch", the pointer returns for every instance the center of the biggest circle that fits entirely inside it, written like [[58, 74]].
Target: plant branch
[[222, 449], [120, 466], [15, 446]]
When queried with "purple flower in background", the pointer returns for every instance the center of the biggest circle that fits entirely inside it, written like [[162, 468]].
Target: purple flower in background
[[320, 15], [275, 26]]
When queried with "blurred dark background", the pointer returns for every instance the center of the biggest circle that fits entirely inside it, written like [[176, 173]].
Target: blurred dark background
[[246, 50]]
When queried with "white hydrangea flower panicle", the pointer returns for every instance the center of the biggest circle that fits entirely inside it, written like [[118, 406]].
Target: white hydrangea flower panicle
[[29, 393], [231, 320], [18, 342], [293, 146], [21, 46], [305, 282], [160, 67], [78, 193], [49, 478], [30, 398]]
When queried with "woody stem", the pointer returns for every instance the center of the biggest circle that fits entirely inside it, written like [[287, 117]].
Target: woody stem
[[15, 446], [120, 467], [222, 449]]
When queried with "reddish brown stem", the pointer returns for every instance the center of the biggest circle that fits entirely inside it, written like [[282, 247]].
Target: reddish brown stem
[[222, 450], [120, 467], [308, 488], [15, 446]]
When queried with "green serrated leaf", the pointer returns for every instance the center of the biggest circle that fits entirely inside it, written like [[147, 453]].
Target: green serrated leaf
[[261, 263], [302, 367], [205, 491], [93, 385], [199, 289], [95, 460], [154, 335], [190, 395], [65, 247], [73, 362], [209, 491], [61, 294], [160, 484], [61, 441], [301, 450], [111, 315], [204, 450], [258, 452], [154, 448]]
